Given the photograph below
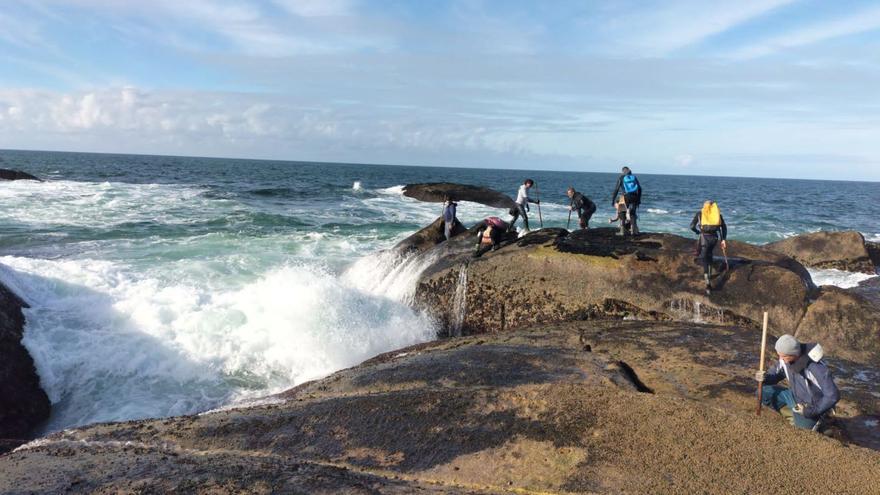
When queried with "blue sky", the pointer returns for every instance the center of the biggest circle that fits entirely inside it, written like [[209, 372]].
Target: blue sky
[[778, 88]]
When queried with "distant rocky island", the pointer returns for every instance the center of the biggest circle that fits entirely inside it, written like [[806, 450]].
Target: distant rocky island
[[568, 362]]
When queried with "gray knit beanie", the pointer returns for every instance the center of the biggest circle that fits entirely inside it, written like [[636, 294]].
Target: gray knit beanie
[[788, 346]]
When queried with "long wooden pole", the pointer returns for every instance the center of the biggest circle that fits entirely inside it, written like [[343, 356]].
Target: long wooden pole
[[538, 194], [761, 364], [724, 251]]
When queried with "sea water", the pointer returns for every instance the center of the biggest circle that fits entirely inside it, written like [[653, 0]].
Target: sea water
[[166, 285]]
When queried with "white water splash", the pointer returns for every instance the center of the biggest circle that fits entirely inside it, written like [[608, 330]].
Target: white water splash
[[838, 278], [356, 186], [459, 302], [388, 273], [694, 311], [113, 341]]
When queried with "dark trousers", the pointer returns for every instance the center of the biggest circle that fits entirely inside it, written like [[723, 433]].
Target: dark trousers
[[707, 250], [585, 215], [519, 210], [632, 208]]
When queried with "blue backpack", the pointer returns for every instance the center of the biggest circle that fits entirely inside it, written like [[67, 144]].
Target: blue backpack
[[630, 184]]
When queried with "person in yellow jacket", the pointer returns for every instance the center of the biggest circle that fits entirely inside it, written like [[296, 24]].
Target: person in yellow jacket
[[709, 224]]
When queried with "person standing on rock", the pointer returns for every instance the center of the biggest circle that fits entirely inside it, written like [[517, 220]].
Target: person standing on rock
[[449, 217], [709, 224], [632, 192], [582, 205], [522, 205], [811, 394]]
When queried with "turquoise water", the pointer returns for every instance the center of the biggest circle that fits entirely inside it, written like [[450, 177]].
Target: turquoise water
[[168, 285]]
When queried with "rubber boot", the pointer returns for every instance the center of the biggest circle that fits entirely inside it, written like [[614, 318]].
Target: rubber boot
[[788, 414], [635, 227]]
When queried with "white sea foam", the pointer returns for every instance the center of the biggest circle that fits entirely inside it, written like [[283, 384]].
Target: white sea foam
[[393, 190], [838, 278], [356, 186], [658, 211], [113, 341], [90, 204]]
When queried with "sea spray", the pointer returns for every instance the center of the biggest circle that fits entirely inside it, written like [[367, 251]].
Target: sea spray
[[389, 274], [113, 343], [459, 302]]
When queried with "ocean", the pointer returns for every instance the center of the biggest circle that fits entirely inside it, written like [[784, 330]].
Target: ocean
[[163, 285]]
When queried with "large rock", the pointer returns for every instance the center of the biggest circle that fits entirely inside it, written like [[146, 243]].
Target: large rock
[[845, 322], [874, 252], [23, 404], [428, 237], [7, 174], [839, 250], [585, 407], [550, 276]]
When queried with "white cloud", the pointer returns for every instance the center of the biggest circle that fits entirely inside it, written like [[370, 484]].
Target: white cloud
[[317, 8], [206, 123], [674, 25], [860, 22], [247, 26], [684, 160]]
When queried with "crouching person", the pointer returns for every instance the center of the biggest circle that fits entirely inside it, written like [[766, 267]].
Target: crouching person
[[490, 232], [811, 392]]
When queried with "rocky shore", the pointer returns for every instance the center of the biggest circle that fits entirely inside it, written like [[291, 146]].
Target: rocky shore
[[23, 404], [586, 364]]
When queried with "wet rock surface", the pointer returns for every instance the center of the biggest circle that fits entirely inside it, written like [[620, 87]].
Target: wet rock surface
[[846, 323], [583, 407], [839, 250], [428, 237], [23, 404], [552, 276], [8, 174]]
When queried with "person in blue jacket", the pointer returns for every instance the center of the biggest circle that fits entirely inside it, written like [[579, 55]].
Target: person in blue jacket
[[632, 192], [811, 392]]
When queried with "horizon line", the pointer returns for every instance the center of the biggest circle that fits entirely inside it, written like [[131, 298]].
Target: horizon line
[[425, 166]]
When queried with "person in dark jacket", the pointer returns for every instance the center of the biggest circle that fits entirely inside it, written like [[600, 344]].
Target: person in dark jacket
[[582, 205], [632, 192], [811, 392], [709, 224], [449, 218]]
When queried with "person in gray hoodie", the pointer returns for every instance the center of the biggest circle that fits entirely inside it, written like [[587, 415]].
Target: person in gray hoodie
[[811, 391]]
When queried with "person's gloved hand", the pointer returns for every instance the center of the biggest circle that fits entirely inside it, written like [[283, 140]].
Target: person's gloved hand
[[799, 409], [759, 375]]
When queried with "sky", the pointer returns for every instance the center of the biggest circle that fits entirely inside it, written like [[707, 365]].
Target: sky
[[776, 88]]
